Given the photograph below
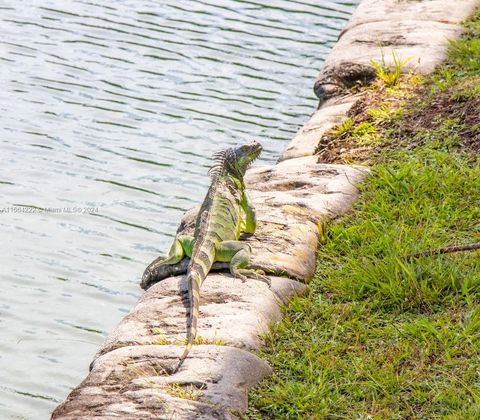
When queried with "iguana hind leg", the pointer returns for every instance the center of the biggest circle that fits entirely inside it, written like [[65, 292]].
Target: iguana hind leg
[[238, 254], [181, 247]]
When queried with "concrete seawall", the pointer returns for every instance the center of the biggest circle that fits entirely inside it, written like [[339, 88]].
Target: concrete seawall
[[129, 376]]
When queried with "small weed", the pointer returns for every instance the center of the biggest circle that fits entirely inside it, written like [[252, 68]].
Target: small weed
[[385, 114], [443, 79], [186, 392], [199, 340], [366, 133], [343, 128], [160, 340], [143, 370], [390, 75], [157, 331]]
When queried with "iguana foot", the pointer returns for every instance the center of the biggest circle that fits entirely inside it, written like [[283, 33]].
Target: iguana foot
[[238, 253], [181, 247], [245, 274]]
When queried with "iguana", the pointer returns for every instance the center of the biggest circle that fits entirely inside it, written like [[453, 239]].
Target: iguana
[[225, 213]]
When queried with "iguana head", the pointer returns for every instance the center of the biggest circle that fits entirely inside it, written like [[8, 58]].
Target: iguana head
[[236, 160]]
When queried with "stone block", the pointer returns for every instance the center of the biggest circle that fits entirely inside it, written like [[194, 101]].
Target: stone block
[[135, 383], [232, 312]]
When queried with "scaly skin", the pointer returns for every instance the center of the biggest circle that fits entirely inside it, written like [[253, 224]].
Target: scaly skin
[[223, 216]]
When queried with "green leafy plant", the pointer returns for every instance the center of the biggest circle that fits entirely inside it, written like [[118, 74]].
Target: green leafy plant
[[384, 113], [390, 75], [343, 128], [366, 133]]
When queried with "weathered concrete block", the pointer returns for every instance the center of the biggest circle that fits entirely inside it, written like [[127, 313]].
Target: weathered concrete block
[[232, 312], [415, 30], [133, 383], [305, 189]]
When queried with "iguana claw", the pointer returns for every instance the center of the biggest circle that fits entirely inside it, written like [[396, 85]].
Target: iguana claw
[[245, 274]]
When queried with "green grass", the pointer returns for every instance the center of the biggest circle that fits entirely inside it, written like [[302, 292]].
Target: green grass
[[379, 336]]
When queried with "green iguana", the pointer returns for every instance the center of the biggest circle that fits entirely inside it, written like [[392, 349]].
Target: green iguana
[[223, 216]]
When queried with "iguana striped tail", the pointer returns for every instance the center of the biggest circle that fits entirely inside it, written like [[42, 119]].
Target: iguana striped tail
[[200, 265]]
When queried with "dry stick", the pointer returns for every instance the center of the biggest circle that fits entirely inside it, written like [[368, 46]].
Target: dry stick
[[446, 250]]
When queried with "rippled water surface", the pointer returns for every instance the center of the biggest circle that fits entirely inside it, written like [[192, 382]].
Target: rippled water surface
[[116, 106]]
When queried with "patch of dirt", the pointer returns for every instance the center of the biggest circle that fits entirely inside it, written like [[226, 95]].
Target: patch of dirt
[[422, 111], [448, 105]]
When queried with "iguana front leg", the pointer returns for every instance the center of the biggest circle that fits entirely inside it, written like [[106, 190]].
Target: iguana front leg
[[238, 254], [250, 217], [182, 246]]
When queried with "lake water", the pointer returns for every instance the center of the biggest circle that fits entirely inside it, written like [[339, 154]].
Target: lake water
[[109, 112]]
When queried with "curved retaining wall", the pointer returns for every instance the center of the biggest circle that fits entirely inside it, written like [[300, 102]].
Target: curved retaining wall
[[129, 375]]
